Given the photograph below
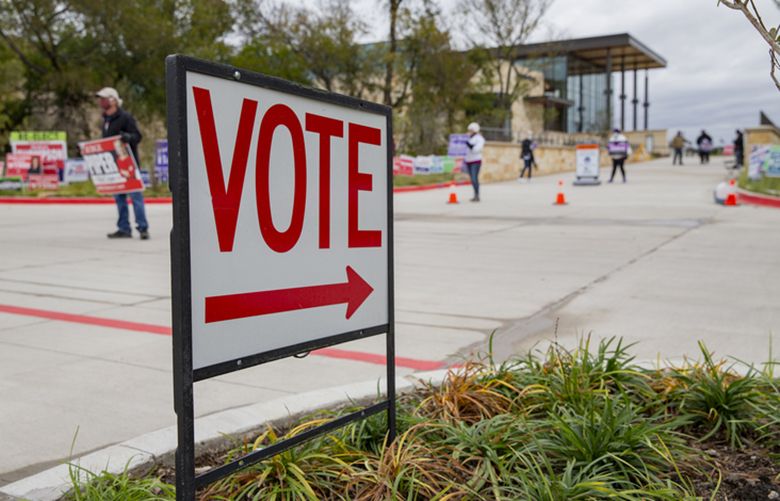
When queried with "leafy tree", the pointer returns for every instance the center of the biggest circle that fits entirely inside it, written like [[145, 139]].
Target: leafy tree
[[323, 41], [770, 35], [496, 28], [439, 79]]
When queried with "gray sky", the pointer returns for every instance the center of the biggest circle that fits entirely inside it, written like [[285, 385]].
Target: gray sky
[[717, 76]]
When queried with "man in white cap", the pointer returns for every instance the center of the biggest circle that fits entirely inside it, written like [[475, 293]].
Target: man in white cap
[[118, 122], [473, 160]]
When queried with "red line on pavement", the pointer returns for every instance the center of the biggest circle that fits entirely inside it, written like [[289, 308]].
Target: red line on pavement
[[358, 356], [88, 320]]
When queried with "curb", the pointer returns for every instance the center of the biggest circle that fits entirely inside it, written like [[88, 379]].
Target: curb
[[757, 199], [168, 200], [74, 200], [51, 484]]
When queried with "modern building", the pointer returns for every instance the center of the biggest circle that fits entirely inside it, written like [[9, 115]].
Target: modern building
[[577, 87]]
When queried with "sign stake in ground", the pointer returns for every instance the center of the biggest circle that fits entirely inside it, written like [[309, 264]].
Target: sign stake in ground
[[282, 240]]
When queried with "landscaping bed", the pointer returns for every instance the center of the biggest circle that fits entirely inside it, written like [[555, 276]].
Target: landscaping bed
[[552, 425]]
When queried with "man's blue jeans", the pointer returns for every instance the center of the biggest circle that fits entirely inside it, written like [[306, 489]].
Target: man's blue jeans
[[123, 223]]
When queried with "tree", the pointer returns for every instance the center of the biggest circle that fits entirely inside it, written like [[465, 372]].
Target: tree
[[497, 27], [323, 41], [436, 78], [771, 35]]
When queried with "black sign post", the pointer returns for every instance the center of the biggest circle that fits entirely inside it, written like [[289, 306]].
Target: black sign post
[[184, 376]]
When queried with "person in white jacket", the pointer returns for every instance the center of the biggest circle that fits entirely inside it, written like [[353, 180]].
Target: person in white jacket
[[619, 149], [473, 160]]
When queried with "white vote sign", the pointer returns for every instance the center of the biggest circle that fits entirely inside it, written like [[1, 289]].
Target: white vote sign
[[288, 218]]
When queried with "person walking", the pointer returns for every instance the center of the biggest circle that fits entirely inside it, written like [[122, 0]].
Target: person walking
[[619, 150], [677, 144], [475, 143], [118, 122], [704, 143], [527, 155], [739, 149]]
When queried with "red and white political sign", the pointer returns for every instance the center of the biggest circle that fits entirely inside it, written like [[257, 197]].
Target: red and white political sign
[[289, 224], [51, 146], [36, 171], [111, 166]]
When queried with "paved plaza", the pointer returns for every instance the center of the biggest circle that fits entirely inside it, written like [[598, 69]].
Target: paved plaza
[[85, 350]]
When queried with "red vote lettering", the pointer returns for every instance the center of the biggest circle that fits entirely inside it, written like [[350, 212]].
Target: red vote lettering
[[326, 128], [225, 202], [360, 181], [280, 241]]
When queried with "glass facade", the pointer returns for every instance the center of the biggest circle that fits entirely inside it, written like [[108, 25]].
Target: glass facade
[[578, 82]]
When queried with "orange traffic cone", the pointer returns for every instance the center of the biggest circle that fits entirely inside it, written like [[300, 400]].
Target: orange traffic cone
[[561, 198], [731, 198], [453, 195]]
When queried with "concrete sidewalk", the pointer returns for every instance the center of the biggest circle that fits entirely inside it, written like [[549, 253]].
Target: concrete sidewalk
[[654, 260]]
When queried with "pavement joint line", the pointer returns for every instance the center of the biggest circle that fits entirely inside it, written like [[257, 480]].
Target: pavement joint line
[[357, 356], [140, 451], [67, 298], [86, 289], [443, 326], [517, 324]]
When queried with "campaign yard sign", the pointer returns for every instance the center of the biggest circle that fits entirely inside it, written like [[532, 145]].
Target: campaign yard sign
[[111, 166], [32, 171], [51, 146], [456, 146], [587, 164], [75, 171], [161, 160], [764, 160]]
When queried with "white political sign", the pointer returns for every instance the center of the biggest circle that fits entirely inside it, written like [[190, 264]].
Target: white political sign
[[289, 224], [587, 160]]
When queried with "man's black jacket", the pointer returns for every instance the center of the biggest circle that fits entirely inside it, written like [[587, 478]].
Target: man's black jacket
[[123, 124]]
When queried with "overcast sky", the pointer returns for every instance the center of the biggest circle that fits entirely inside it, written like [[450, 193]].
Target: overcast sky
[[717, 76]]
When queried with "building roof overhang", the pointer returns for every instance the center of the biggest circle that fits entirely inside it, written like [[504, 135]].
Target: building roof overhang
[[622, 49]]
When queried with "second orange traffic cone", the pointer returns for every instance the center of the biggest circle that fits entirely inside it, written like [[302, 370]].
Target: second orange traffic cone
[[731, 198], [453, 195], [560, 199]]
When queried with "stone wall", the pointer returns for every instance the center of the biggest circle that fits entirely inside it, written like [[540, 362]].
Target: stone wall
[[501, 161], [660, 141]]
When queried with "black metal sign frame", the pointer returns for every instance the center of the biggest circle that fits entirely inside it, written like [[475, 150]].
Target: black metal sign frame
[[184, 376]]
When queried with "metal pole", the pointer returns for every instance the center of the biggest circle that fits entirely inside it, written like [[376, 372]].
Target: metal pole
[[622, 94], [647, 102], [635, 101], [608, 92], [581, 108]]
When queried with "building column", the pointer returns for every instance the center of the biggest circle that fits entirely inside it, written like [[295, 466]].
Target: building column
[[608, 92], [622, 94], [581, 107], [635, 101], [646, 104]]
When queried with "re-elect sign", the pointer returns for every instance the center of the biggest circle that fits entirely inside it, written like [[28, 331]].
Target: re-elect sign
[[288, 217]]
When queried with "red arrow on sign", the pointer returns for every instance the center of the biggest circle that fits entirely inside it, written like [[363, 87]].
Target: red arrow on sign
[[253, 304]]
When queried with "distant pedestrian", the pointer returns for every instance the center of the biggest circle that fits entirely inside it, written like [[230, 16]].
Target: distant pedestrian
[[704, 143], [619, 149], [475, 143], [677, 144], [527, 155], [118, 122], [739, 149]]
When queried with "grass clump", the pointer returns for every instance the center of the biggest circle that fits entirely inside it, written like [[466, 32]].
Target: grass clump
[[587, 423]]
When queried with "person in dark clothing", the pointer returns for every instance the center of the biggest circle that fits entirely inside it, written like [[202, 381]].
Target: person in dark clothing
[[739, 149], [527, 154], [677, 144], [704, 142], [118, 122]]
